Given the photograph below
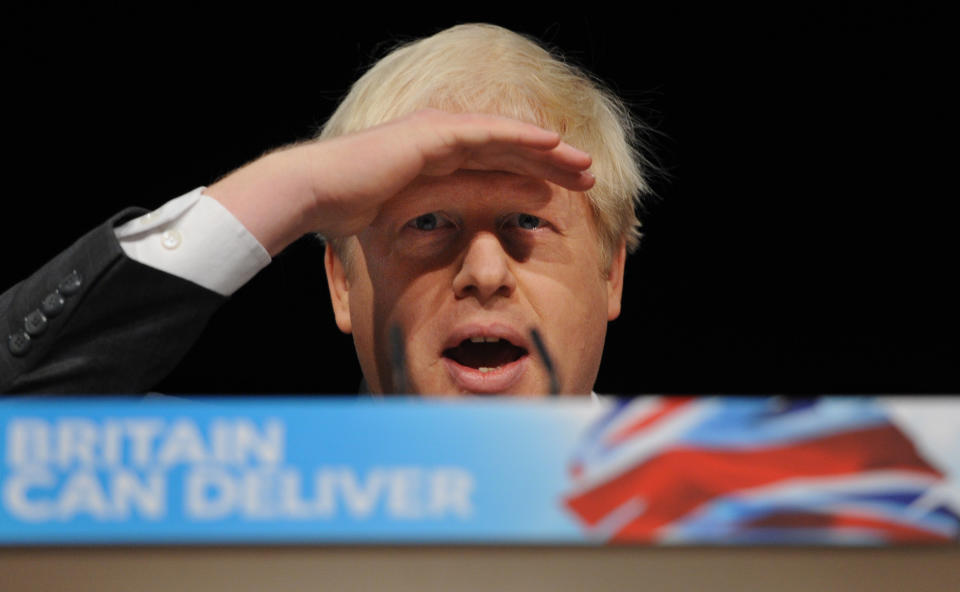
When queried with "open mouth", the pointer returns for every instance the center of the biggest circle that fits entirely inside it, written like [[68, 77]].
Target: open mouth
[[485, 354]]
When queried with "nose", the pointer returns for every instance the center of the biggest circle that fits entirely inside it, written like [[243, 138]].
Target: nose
[[485, 270]]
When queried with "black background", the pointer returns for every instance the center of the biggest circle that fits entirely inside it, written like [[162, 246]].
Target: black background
[[802, 240]]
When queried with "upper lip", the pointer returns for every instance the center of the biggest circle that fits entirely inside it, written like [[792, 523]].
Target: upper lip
[[496, 329]]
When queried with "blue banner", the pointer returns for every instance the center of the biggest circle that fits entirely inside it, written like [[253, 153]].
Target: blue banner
[[654, 469]]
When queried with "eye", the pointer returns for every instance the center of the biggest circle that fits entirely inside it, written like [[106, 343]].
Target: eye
[[430, 221], [525, 221]]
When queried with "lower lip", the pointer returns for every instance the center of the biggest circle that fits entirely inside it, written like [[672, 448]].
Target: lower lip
[[498, 380]]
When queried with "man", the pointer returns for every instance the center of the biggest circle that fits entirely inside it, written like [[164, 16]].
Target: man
[[457, 208]]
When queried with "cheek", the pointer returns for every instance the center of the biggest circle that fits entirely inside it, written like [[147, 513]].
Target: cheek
[[399, 288], [422, 307], [582, 337], [584, 310], [572, 307], [361, 306], [406, 292]]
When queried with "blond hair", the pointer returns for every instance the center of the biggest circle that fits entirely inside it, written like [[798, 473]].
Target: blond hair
[[480, 68]]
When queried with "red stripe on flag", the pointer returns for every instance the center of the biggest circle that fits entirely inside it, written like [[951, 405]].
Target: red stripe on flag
[[679, 480], [669, 406]]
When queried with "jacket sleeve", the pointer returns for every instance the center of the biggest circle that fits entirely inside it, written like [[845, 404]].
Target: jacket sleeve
[[94, 321]]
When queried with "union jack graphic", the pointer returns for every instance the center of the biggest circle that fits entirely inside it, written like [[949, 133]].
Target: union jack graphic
[[754, 471]]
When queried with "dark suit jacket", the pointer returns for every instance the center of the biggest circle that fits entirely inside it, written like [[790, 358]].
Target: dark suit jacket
[[98, 322]]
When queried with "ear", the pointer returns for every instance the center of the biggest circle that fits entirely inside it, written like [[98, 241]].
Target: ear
[[339, 285], [615, 281]]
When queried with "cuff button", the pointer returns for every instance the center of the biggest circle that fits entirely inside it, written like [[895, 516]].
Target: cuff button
[[71, 284], [19, 343], [35, 323], [171, 239], [52, 304]]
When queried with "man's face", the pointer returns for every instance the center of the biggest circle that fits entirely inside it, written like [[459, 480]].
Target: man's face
[[466, 265]]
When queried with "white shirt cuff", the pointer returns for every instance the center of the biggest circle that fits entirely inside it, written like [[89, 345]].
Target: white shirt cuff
[[194, 237]]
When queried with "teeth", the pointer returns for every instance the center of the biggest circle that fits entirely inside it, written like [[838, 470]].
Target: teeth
[[484, 370], [477, 340], [484, 339], [492, 339]]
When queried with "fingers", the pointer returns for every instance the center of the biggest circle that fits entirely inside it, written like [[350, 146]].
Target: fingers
[[566, 156], [477, 131], [538, 165], [581, 181], [489, 142]]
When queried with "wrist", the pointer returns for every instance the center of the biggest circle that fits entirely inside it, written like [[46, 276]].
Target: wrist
[[266, 196]]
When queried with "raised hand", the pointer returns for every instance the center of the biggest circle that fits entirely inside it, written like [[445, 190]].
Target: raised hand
[[337, 186]]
